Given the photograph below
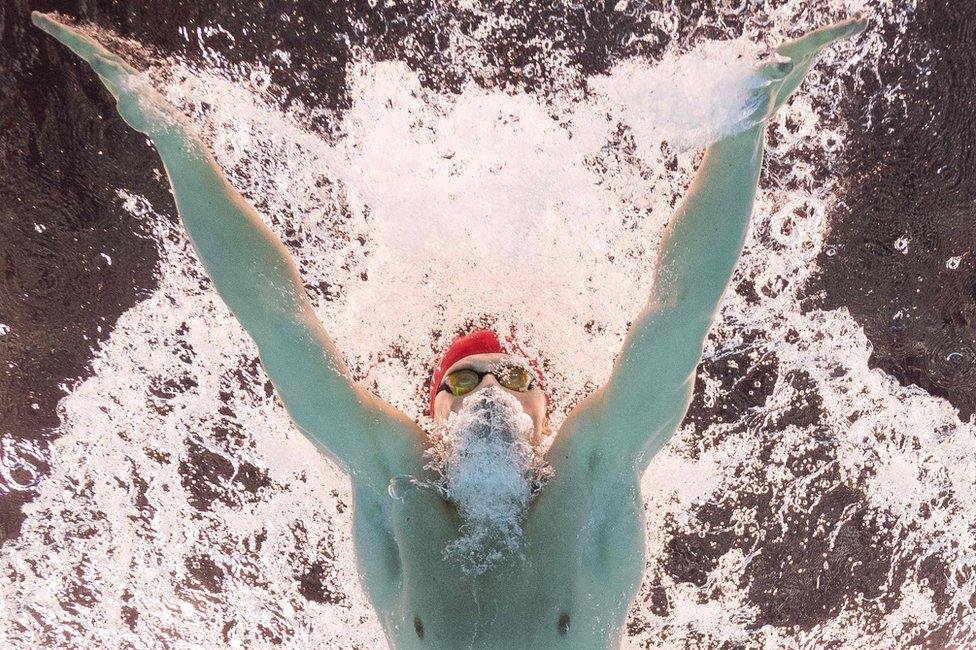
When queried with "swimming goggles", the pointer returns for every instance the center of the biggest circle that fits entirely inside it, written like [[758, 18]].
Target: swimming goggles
[[513, 377]]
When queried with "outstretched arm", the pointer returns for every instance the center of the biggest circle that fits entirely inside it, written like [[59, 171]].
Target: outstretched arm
[[653, 379], [257, 279]]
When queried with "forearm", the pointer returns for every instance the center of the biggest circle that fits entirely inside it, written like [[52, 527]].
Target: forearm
[[705, 237], [250, 267]]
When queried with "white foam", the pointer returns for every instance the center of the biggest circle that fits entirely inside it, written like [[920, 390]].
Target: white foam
[[491, 470], [688, 99]]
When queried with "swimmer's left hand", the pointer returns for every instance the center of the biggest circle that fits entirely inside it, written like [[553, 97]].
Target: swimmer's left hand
[[811, 43], [781, 77]]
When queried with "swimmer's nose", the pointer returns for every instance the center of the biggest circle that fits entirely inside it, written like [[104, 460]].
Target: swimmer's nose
[[489, 380]]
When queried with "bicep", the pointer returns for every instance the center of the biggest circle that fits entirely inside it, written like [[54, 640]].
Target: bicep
[[654, 377], [620, 427], [362, 434], [659, 358]]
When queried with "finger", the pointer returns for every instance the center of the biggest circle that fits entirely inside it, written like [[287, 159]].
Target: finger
[[810, 44], [82, 45], [66, 35]]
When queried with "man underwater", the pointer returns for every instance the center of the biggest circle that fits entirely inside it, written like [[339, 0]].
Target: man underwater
[[471, 536]]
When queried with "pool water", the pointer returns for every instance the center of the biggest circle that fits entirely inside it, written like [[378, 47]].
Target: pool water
[[820, 491]]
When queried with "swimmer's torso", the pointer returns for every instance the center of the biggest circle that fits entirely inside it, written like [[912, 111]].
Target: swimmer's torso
[[583, 548]]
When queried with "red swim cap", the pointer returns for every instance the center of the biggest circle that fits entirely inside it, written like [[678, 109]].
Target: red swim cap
[[476, 342]]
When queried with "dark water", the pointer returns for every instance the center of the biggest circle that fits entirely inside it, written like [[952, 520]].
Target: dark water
[[908, 168], [911, 170]]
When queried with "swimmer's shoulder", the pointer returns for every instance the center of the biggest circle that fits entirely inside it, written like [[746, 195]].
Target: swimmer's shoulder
[[582, 441], [597, 443]]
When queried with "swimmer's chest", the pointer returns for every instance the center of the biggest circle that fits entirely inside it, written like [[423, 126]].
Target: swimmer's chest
[[583, 561]]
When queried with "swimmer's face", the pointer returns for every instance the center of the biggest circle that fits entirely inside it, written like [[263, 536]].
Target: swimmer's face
[[533, 401]]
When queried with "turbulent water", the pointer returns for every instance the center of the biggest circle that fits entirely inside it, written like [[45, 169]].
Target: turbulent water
[[488, 467], [178, 506]]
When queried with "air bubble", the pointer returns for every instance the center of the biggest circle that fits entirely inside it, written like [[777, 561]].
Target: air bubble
[[400, 485], [261, 79], [134, 203]]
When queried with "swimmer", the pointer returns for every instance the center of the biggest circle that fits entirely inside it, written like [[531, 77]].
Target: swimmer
[[469, 536]]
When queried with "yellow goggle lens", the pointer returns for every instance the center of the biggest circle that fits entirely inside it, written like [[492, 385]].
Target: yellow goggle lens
[[515, 378], [461, 382]]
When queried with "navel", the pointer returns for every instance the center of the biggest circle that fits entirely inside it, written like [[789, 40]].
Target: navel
[[563, 624], [418, 627]]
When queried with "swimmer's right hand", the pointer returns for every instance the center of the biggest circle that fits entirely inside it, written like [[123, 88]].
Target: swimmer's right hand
[[138, 104]]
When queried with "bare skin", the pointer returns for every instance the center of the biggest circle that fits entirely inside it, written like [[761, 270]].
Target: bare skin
[[584, 532]]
